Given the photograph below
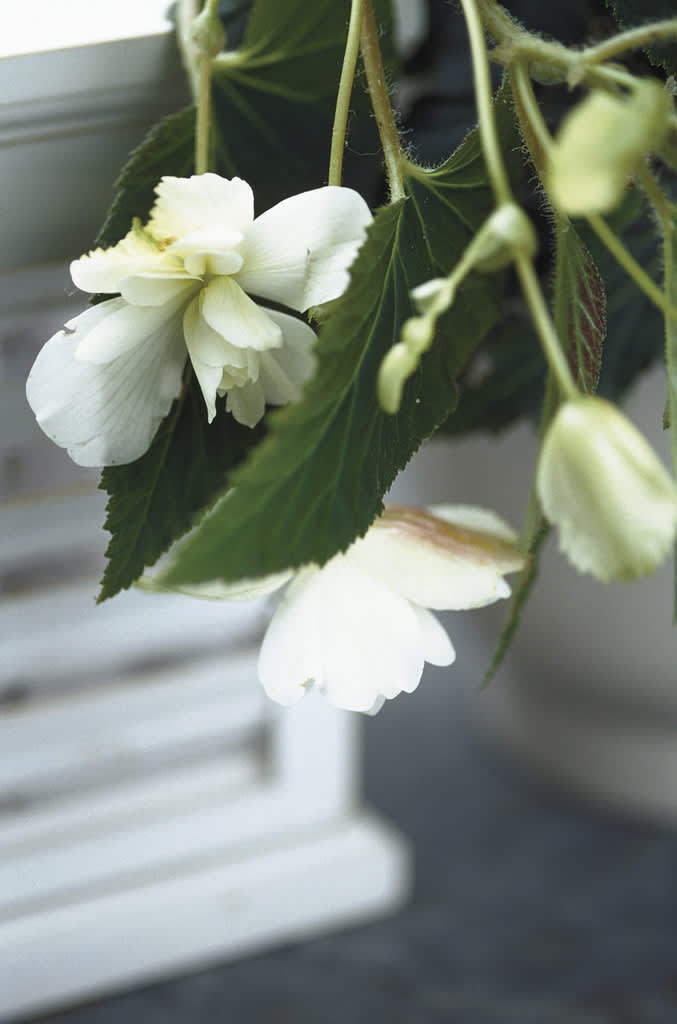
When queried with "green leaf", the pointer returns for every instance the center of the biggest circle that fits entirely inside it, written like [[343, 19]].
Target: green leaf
[[520, 596], [274, 100], [317, 481], [580, 306], [635, 337], [154, 500], [166, 150], [504, 381], [631, 13]]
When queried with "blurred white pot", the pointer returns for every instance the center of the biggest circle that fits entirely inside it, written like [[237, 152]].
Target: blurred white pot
[[588, 693]]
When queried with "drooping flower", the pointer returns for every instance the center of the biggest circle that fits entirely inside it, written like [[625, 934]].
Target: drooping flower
[[102, 385], [360, 627], [601, 143], [605, 488]]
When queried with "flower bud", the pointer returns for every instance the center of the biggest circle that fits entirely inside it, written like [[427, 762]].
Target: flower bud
[[507, 231], [207, 33], [605, 488], [601, 143]]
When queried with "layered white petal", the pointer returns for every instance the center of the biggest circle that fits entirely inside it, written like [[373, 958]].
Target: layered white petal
[[339, 629], [103, 270], [298, 253], [284, 371], [247, 403], [291, 650], [119, 327], [186, 205], [434, 563], [237, 318], [437, 647], [156, 289], [106, 414]]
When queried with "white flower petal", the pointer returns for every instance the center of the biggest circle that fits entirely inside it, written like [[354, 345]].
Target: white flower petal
[[247, 403], [237, 318], [437, 647], [291, 649], [207, 351], [298, 253], [345, 633], [474, 517], [186, 205], [155, 289], [106, 414], [212, 250], [102, 270], [433, 563], [285, 370], [104, 337], [600, 481]]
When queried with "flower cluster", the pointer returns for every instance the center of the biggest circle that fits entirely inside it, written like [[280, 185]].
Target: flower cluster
[[360, 627], [102, 385]]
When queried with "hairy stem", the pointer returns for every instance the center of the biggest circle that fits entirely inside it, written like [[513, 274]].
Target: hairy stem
[[380, 102]]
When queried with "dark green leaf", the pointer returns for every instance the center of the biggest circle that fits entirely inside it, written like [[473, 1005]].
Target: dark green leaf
[[580, 306], [167, 150], [635, 337], [318, 480], [631, 13], [274, 100], [521, 593], [504, 382], [154, 500]]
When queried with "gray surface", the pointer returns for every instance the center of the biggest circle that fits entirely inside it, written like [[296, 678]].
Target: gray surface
[[527, 908]]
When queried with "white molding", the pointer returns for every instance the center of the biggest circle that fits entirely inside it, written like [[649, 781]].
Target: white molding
[[335, 876]]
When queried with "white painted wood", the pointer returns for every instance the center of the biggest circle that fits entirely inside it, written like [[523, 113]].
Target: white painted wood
[[337, 875]]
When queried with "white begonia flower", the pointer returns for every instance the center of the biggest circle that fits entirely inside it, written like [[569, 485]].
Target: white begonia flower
[[359, 628], [602, 484], [102, 385]]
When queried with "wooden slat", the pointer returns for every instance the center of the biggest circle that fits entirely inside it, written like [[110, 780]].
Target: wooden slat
[[127, 729]]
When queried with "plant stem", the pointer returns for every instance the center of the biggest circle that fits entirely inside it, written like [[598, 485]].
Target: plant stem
[[485, 105], [631, 39], [631, 266], [338, 135], [380, 102], [543, 323], [501, 186], [532, 124], [203, 114]]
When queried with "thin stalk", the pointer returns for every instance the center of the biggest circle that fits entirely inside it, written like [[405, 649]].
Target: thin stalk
[[631, 266], [203, 114], [631, 39], [485, 104], [380, 102], [345, 89], [501, 186], [544, 325]]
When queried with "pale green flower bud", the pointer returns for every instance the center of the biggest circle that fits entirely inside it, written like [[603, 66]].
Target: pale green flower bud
[[601, 483], [601, 143], [507, 231], [397, 366], [207, 33]]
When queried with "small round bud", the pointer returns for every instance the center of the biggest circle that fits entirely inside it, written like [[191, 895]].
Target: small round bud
[[437, 292], [398, 365], [207, 33], [417, 333], [508, 231]]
